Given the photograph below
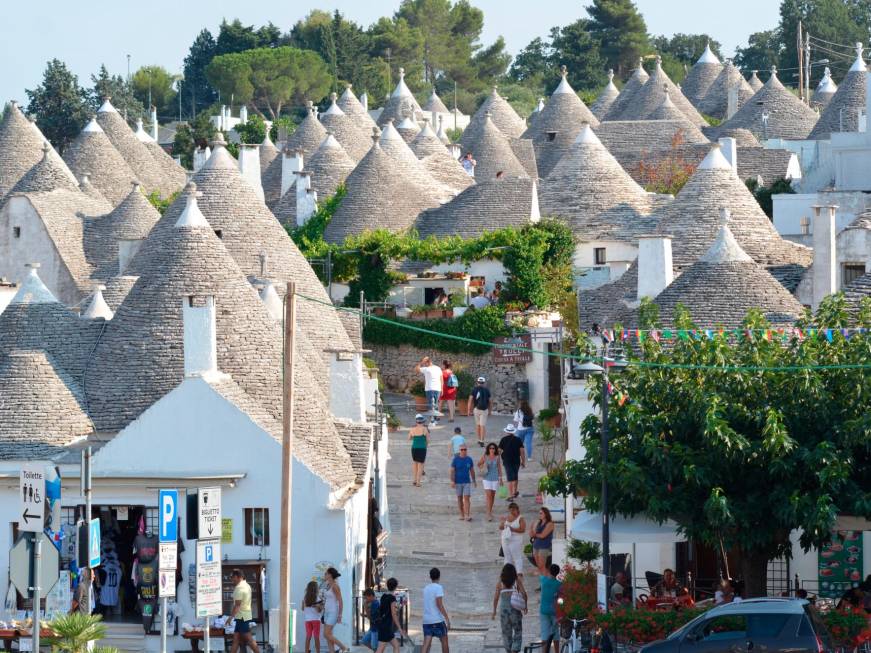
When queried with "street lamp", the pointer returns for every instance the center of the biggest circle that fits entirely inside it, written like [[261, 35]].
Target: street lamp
[[588, 369]]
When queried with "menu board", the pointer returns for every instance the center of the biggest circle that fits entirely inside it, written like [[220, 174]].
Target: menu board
[[840, 563]]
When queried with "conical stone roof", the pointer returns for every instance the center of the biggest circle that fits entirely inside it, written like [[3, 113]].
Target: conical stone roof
[[345, 130], [650, 96], [668, 111], [434, 104], [20, 147], [248, 230], [692, 223], [352, 107], [557, 125], [743, 137], [134, 152], [408, 129], [270, 171], [606, 99], [141, 356], [493, 152], [700, 77], [842, 111], [379, 195], [395, 146], [501, 113], [42, 409], [172, 172], [93, 154], [721, 287], [308, 135], [91, 191], [438, 161], [51, 173], [715, 102], [627, 95], [788, 117], [487, 206], [591, 191], [754, 82], [400, 104], [825, 90]]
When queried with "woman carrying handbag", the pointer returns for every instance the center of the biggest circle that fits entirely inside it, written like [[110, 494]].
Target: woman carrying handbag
[[510, 600]]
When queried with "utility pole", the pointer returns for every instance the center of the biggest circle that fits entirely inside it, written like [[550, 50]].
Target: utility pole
[[807, 68], [284, 614], [800, 50], [85, 481], [37, 571]]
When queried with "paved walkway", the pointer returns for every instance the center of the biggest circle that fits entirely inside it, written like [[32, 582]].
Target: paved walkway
[[426, 532]]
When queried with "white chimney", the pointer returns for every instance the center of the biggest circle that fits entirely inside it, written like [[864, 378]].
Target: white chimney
[[154, 124], [201, 155], [249, 166], [200, 336], [306, 198], [291, 164], [98, 306], [867, 98], [534, 210], [243, 114], [825, 277], [729, 148], [347, 387], [731, 102], [364, 100], [655, 270], [221, 120]]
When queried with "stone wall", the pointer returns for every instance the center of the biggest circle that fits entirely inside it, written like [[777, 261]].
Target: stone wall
[[397, 370]]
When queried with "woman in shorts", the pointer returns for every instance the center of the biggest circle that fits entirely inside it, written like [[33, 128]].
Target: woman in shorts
[[541, 534], [490, 465], [419, 437], [333, 607]]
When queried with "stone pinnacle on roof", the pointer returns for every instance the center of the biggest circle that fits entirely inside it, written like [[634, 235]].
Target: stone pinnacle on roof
[[725, 248], [842, 109], [442, 134], [51, 173], [308, 135], [626, 98], [754, 82], [141, 134], [400, 103], [98, 308], [191, 216], [20, 147], [352, 107], [33, 290], [701, 76], [349, 133], [606, 98]]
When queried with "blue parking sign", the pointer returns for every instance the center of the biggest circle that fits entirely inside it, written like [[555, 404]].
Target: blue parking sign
[[94, 543], [168, 516]]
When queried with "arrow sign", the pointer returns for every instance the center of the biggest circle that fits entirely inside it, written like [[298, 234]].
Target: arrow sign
[[209, 510], [31, 495]]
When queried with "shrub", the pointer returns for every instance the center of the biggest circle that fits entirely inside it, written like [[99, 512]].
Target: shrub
[[583, 551]]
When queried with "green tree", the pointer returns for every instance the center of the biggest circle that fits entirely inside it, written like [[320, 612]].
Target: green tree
[[253, 131], [153, 87], [763, 51], [685, 48], [236, 37], [189, 136], [59, 105], [737, 456], [398, 45], [620, 30], [120, 92], [269, 78], [73, 632], [576, 47], [533, 64], [197, 92]]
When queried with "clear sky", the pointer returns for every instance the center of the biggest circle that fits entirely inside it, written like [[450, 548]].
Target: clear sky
[[86, 34]]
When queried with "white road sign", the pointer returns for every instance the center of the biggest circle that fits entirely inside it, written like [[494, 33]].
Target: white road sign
[[208, 578], [31, 515], [168, 556], [209, 504]]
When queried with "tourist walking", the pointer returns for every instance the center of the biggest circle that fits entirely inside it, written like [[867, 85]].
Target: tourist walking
[[388, 619], [419, 437], [371, 608], [550, 591], [436, 622], [462, 480], [432, 385], [480, 399], [541, 534], [450, 384], [333, 608], [311, 612], [523, 417], [241, 613], [490, 465], [513, 457], [457, 441], [513, 528], [468, 164], [510, 600]]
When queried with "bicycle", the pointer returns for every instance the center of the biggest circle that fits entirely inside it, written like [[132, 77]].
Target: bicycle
[[579, 638]]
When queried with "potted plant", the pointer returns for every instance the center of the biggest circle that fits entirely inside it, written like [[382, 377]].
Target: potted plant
[[550, 416], [458, 304], [419, 312], [393, 422], [583, 551], [550, 448], [418, 392], [386, 311]]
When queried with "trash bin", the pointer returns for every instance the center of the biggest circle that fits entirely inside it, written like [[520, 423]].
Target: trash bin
[[521, 389]]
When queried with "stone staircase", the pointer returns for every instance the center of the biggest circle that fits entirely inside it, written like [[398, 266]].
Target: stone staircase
[[126, 637]]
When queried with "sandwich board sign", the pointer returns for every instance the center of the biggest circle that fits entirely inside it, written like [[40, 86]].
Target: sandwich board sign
[[31, 513], [208, 578], [209, 511]]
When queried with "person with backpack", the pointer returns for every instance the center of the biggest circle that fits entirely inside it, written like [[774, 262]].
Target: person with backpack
[[450, 383], [480, 399], [371, 612], [388, 619], [523, 417]]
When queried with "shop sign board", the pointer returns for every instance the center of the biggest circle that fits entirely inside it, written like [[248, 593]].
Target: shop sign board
[[512, 350], [209, 511], [31, 512]]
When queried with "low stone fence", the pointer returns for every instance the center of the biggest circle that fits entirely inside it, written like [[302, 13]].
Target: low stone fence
[[397, 370]]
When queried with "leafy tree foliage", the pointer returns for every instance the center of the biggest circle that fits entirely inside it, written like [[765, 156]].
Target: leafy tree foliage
[[619, 29], [761, 53], [236, 37], [738, 457], [253, 131], [120, 92], [268, 78], [764, 194], [189, 136], [59, 105], [153, 87], [685, 48], [197, 92]]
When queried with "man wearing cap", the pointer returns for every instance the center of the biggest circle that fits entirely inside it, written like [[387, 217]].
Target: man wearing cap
[[432, 385], [480, 399], [513, 458], [462, 480]]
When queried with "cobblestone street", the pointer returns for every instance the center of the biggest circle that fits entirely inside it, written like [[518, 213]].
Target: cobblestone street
[[426, 532]]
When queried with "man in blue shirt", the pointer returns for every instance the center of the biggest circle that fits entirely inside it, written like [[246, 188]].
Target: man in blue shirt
[[462, 479], [371, 608], [457, 441], [550, 589]]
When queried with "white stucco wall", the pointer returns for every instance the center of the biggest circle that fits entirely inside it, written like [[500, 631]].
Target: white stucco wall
[[790, 209]]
